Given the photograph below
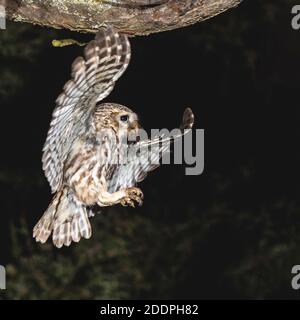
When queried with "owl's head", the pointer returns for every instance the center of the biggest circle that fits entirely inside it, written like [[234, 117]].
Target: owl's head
[[120, 119]]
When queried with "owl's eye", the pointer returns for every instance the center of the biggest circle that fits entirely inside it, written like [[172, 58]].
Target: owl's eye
[[124, 118]]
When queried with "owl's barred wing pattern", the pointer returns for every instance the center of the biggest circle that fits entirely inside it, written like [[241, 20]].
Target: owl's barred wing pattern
[[93, 78], [146, 155], [140, 161]]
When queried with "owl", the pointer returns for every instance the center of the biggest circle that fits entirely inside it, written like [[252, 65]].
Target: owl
[[81, 155]]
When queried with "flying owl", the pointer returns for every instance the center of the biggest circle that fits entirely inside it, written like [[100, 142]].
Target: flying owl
[[82, 150]]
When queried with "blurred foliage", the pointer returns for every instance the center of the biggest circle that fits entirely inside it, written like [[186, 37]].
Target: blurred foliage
[[234, 233], [19, 48], [246, 253], [126, 258]]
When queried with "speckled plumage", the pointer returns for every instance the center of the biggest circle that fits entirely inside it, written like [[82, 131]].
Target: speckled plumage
[[82, 150]]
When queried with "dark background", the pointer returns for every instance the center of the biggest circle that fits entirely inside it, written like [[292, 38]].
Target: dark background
[[232, 232]]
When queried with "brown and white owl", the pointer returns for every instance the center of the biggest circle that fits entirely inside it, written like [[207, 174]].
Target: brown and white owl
[[81, 156]]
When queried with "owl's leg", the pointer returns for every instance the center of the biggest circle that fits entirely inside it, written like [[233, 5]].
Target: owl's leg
[[126, 197], [106, 198]]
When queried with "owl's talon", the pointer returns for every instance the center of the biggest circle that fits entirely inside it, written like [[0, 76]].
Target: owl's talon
[[133, 195], [138, 199], [127, 202]]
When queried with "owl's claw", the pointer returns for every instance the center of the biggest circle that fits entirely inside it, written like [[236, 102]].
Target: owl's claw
[[127, 202], [133, 195]]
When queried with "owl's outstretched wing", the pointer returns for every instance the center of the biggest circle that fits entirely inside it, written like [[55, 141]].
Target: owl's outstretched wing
[[93, 78], [145, 157]]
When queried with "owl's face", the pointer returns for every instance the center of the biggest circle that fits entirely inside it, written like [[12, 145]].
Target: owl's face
[[126, 121], [122, 120]]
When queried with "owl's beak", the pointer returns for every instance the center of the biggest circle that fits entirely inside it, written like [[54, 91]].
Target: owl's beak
[[134, 126]]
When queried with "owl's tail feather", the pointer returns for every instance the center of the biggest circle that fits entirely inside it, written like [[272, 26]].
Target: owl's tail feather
[[66, 218]]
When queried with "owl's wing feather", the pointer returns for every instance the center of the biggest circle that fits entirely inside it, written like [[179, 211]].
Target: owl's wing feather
[[145, 156], [93, 78]]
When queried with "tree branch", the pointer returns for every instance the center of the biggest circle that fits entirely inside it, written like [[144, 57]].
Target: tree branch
[[136, 17]]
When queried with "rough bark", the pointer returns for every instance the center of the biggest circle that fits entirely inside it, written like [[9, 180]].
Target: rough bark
[[137, 17]]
